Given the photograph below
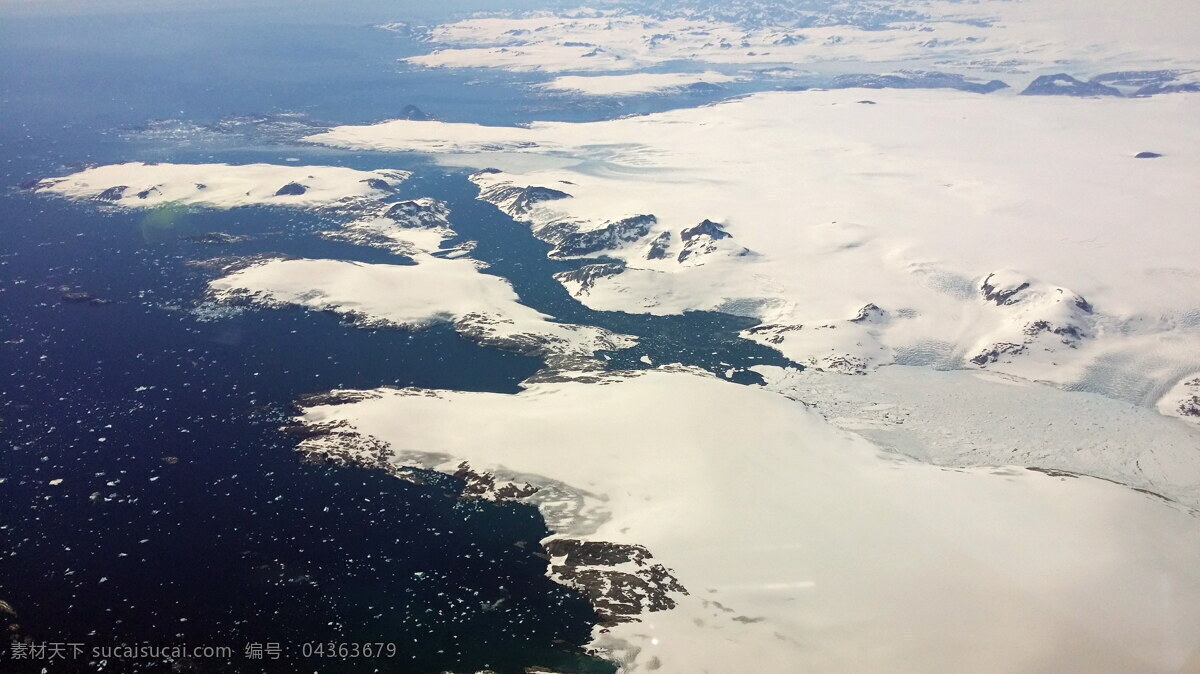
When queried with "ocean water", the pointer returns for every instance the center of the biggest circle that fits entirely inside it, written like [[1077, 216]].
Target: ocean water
[[184, 517]]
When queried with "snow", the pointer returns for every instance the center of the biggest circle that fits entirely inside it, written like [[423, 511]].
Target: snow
[[426, 137], [220, 185], [405, 228], [634, 83], [806, 548], [909, 204], [964, 418], [435, 290], [994, 35], [1183, 399]]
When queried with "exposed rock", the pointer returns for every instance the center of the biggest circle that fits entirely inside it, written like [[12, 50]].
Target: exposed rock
[[569, 242], [618, 594], [1037, 314], [772, 333], [658, 247], [517, 201], [484, 486], [916, 79], [1189, 403], [1151, 82], [840, 364], [1156, 89], [419, 213], [216, 238], [996, 293], [586, 276], [145, 194], [81, 297], [869, 314], [702, 240], [413, 113], [705, 228], [993, 354], [1063, 84], [1147, 155], [113, 193], [1136, 78], [291, 189]]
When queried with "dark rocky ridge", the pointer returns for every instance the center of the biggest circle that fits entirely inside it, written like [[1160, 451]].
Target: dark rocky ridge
[[659, 246], [568, 242], [1062, 84], [291, 189], [916, 79], [587, 275], [618, 596], [519, 200], [413, 113], [113, 193], [702, 239]]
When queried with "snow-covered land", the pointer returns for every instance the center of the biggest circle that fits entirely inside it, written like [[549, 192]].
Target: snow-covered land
[[991, 35], [142, 185], [936, 228], [1183, 400], [634, 83], [443, 286], [1024, 240], [965, 418], [987, 464], [480, 306], [747, 533]]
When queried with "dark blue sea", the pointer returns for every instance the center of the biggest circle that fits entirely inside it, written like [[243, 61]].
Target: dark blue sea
[[184, 516]]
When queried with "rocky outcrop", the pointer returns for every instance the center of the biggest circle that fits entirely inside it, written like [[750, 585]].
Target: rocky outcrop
[[568, 339], [703, 240], [1034, 315], [413, 113], [1183, 400], [1151, 82], [916, 79], [379, 184], [659, 246], [419, 213], [69, 296], [1063, 84], [619, 580], [515, 200], [569, 241], [870, 313], [1000, 295], [216, 238], [622, 581], [387, 225], [771, 333], [485, 486], [113, 193], [291, 189], [1189, 406], [580, 281]]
